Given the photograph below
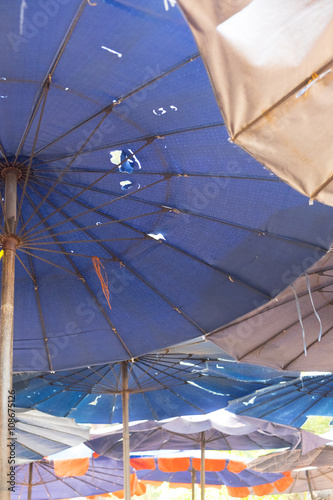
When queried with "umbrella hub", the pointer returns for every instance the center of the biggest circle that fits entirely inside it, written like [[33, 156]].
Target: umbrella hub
[[10, 242], [10, 169]]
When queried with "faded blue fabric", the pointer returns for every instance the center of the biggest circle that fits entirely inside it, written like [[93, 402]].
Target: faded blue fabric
[[289, 403], [160, 386]]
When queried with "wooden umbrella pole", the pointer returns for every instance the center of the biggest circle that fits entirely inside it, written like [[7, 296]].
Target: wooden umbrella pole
[[126, 447], [309, 484], [30, 481], [9, 244], [202, 468], [193, 474]]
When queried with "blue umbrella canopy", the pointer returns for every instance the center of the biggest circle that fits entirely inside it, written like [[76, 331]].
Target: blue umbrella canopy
[[160, 385], [289, 402], [138, 224]]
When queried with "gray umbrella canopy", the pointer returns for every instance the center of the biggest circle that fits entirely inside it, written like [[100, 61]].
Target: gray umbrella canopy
[[37, 434], [221, 430], [290, 460], [311, 480], [285, 334]]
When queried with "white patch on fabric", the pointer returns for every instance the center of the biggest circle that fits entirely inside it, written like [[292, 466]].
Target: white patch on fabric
[[112, 51]]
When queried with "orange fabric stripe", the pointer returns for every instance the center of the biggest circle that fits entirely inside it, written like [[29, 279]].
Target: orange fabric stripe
[[175, 464], [69, 468], [140, 489], [211, 464], [284, 483], [263, 489], [134, 483], [238, 492], [143, 463], [236, 467]]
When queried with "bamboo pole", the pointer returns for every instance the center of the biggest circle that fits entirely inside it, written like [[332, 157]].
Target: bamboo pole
[[9, 245], [126, 447]]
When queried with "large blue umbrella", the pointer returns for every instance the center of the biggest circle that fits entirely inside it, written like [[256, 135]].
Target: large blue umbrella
[[155, 386], [160, 386], [121, 190], [129, 193]]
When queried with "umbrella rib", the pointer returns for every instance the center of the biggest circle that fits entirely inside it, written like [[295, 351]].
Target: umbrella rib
[[41, 258], [177, 380], [153, 377], [49, 75], [89, 482], [278, 103], [74, 407], [149, 366], [113, 255], [70, 231], [57, 478], [144, 371], [197, 259], [283, 405], [127, 141], [26, 269], [58, 181], [264, 392], [107, 112], [75, 385], [6, 225], [70, 254], [194, 214], [90, 210], [4, 155], [186, 400], [41, 317], [45, 94], [280, 333], [145, 397], [41, 479], [32, 245], [122, 99], [90, 387], [308, 347], [91, 293], [139, 172], [48, 398]]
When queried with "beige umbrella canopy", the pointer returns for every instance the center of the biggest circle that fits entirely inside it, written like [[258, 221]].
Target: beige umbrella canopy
[[270, 64], [294, 331], [290, 460]]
